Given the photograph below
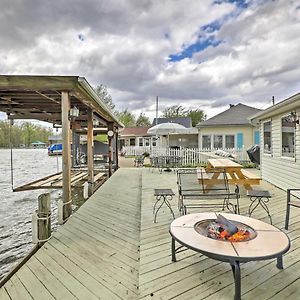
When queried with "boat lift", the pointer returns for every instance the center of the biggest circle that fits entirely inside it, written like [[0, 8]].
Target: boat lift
[[71, 103]]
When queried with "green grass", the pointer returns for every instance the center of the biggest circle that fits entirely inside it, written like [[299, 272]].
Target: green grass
[[101, 138]]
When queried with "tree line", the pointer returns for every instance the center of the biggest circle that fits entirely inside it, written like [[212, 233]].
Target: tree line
[[129, 119], [22, 134]]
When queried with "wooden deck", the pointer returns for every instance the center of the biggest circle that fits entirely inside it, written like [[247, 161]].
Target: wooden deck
[[55, 181], [111, 249]]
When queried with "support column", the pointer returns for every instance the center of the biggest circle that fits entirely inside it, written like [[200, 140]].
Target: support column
[[110, 128], [117, 149], [75, 143], [90, 152], [66, 155]]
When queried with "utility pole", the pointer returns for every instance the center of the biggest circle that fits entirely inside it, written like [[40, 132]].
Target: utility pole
[[156, 110]]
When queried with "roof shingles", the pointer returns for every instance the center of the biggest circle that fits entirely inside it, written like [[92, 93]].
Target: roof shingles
[[235, 115], [134, 131]]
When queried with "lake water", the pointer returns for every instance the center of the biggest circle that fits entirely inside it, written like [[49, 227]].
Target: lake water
[[16, 208]]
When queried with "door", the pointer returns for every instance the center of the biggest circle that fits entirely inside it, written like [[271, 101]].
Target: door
[[239, 140]]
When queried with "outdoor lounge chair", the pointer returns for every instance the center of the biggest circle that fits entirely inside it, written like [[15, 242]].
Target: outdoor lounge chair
[[293, 199], [201, 189]]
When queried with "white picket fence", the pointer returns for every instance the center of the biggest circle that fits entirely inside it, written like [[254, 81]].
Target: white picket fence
[[189, 156]]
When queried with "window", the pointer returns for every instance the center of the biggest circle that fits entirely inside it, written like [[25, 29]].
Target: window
[[122, 143], [141, 142], [218, 141], [229, 141], [132, 142], [206, 141], [147, 142], [287, 137], [256, 138], [153, 141], [267, 137]]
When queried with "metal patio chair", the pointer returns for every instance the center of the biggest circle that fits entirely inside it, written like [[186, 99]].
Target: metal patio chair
[[139, 161], [293, 199]]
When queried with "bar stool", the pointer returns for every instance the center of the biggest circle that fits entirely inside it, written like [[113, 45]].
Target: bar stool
[[258, 197]]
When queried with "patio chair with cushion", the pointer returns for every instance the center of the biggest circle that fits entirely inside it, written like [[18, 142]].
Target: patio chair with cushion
[[205, 189], [293, 199]]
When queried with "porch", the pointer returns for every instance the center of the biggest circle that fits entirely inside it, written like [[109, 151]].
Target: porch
[[111, 248]]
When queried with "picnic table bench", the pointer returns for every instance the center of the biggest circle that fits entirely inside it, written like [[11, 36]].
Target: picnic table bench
[[234, 171]]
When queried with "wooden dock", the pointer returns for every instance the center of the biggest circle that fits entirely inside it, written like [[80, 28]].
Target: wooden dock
[[111, 249], [55, 181]]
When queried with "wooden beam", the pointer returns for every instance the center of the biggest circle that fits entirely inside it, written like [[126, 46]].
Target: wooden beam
[[66, 155], [90, 152], [36, 116], [47, 97]]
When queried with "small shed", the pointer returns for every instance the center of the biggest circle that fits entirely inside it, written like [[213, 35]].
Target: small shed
[[280, 142]]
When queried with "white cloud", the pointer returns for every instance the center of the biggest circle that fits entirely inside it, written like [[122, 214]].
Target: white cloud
[[126, 46]]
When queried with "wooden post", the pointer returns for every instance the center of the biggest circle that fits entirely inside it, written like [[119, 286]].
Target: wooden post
[[110, 127], [41, 222], [66, 155], [75, 143], [117, 149], [44, 221], [90, 152], [73, 147]]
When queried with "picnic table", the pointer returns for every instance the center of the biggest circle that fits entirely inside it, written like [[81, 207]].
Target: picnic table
[[235, 173]]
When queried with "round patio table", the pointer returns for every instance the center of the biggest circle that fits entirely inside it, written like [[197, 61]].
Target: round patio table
[[269, 242]]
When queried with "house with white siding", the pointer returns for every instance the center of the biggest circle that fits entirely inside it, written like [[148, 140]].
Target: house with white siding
[[135, 136], [231, 129], [280, 142], [188, 139]]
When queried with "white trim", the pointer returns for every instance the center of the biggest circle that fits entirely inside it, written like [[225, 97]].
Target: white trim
[[281, 154], [263, 138], [292, 159]]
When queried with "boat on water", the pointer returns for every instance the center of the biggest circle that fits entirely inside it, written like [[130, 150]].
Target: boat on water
[[55, 149], [100, 152]]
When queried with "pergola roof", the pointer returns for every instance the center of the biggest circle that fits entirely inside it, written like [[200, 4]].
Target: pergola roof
[[39, 97]]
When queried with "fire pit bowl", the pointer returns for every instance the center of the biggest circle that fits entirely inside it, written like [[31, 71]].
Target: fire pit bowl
[[204, 233], [213, 229]]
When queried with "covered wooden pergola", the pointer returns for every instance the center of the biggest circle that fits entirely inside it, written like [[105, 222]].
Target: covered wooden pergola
[[54, 99]]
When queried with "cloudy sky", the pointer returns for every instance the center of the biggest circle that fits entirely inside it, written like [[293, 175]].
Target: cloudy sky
[[200, 54]]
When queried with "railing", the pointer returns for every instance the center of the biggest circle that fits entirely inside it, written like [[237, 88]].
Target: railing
[[135, 150], [189, 156]]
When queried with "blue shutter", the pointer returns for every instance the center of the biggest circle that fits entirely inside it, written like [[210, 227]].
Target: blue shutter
[[239, 140], [256, 138]]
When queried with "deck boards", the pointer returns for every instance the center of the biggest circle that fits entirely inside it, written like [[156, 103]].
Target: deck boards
[[111, 249], [55, 181]]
